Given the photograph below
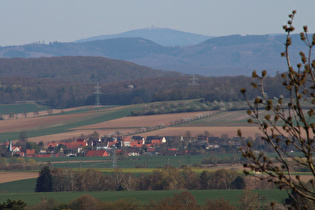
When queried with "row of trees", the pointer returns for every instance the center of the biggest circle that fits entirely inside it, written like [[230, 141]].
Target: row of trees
[[183, 200], [18, 163], [167, 178]]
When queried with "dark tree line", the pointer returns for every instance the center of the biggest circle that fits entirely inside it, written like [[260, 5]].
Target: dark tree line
[[167, 178], [63, 93], [183, 200]]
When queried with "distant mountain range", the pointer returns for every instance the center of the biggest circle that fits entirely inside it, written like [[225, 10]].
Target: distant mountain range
[[218, 56], [161, 36]]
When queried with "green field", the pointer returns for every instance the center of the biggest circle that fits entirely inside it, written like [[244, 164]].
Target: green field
[[133, 162], [21, 108], [21, 186], [143, 196]]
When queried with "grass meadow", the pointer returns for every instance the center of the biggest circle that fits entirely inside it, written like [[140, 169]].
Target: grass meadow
[[21, 108], [134, 162]]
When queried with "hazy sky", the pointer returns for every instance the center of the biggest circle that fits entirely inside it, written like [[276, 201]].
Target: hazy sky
[[27, 21]]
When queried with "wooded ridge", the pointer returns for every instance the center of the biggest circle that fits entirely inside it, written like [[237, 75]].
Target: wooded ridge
[[220, 56], [63, 82]]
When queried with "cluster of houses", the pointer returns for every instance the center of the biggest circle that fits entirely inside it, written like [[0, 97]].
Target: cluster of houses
[[129, 146]]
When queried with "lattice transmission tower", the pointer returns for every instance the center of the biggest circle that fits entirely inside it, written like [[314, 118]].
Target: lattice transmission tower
[[194, 80], [97, 94], [114, 157]]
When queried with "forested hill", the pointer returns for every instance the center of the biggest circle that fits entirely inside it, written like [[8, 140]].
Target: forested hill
[[162, 36], [220, 56], [78, 69]]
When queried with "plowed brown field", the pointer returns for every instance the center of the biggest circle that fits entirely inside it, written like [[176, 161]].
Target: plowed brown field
[[14, 176], [35, 122]]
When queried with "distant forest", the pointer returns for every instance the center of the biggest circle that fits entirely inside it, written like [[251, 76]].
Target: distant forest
[[70, 81]]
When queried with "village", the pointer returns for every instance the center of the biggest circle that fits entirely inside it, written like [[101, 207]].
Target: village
[[124, 146]]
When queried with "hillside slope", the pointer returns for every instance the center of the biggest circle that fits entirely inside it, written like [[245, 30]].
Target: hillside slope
[[78, 69], [220, 56]]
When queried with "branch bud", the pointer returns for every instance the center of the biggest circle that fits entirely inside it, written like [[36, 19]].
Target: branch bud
[[283, 75], [254, 75], [249, 144], [239, 133], [254, 85]]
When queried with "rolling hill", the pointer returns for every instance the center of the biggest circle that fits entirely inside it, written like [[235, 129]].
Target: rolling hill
[[220, 56], [162, 36], [78, 69]]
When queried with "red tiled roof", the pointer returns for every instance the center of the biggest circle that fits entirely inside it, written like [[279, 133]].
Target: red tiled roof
[[100, 153], [75, 144], [30, 151], [136, 144], [53, 144]]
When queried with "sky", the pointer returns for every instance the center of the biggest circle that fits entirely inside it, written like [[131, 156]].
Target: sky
[[28, 21]]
